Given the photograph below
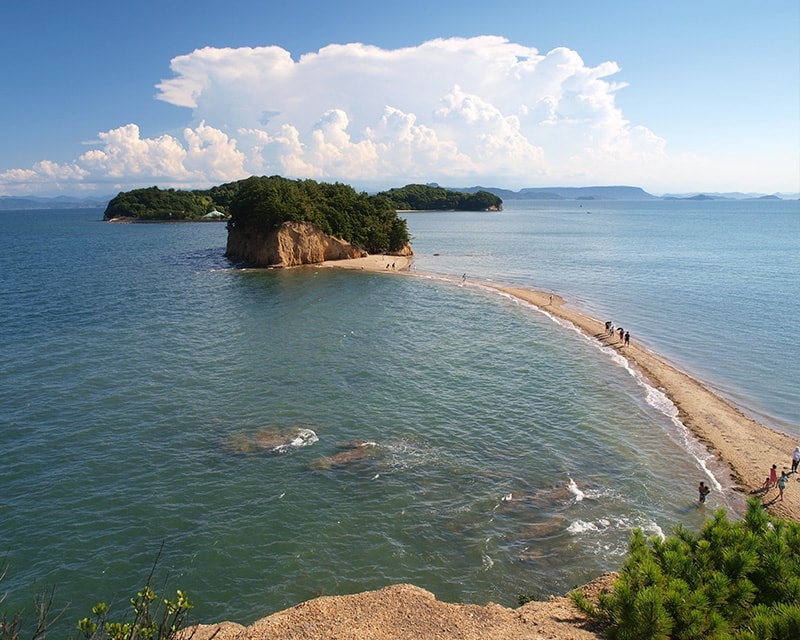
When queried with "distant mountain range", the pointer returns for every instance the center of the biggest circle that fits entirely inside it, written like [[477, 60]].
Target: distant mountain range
[[530, 193], [59, 202], [615, 193]]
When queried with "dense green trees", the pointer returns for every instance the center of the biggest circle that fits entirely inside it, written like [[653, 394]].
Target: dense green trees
[[264, 203], [153, 203], [337, 209], [731, 581], [369, 222], [423, 197]]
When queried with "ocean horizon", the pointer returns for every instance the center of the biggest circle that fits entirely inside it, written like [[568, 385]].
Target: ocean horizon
[[154, 393]]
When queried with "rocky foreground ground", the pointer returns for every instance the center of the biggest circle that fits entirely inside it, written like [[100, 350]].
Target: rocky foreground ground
[[406, 612]]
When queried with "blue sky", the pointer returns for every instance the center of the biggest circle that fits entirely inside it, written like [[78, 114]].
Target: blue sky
[[99, 97]]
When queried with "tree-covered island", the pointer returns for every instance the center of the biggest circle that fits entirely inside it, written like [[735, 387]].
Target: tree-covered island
[[368, 222], [153, 203], [424, 197], [259, 205]]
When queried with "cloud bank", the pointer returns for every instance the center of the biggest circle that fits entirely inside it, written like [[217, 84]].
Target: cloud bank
[[455, 111]]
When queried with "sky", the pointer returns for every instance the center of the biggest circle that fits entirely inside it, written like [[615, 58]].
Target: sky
[[678, 97]]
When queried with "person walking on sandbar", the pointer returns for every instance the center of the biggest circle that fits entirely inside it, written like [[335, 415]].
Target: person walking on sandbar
[[782, 484], [795, 459], [773, 475]]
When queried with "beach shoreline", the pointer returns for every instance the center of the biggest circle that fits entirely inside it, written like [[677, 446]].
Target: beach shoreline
[[746, 448]]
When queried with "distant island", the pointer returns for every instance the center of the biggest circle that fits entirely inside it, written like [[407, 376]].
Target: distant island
[[430, 197], [528, 193], [34, 203]]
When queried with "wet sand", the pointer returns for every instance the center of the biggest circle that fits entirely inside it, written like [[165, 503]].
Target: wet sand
[[746, 447]]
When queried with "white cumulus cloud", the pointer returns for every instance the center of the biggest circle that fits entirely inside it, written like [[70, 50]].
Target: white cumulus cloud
[[458, 111]]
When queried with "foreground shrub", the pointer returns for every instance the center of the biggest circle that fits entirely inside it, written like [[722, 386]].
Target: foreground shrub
[[151, 617], [733, 580]]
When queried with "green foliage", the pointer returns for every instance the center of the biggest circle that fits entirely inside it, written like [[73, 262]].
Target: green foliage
[[153, 203], [337, 209], [733, 580], [153, 619], [423, 197], [370, 222]]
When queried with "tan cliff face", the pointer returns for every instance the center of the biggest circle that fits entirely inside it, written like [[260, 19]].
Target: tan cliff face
[[293, 243]]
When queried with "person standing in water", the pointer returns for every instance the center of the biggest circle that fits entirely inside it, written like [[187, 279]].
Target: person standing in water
[[704, 491]]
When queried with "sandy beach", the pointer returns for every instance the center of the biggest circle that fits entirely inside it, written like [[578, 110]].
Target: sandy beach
[[746, 447], [377, 262]]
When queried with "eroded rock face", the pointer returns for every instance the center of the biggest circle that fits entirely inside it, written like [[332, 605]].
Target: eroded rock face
[[293, 243]]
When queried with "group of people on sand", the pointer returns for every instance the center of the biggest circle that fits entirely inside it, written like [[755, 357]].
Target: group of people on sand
[[624, 336], [773, 480], [780, 482]]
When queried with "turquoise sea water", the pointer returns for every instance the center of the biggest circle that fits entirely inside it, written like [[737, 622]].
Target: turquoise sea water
[[152, 393]]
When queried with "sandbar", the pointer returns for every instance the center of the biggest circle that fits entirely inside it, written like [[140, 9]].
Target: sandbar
[[744, 446], [376, 262]]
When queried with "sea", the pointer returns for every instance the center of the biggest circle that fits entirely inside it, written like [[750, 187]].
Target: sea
[[257, 438]]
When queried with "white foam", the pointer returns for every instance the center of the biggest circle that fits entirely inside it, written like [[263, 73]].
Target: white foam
[[574, 490], [659, 401], [599, 526], [303, 438], [654, 529], [581, 526]]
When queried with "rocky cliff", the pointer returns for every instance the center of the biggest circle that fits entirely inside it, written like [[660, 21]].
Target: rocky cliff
[[406, 612], [291, 244]]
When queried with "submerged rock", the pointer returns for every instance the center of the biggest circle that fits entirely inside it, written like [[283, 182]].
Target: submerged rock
[[353, 452], [273, 440]]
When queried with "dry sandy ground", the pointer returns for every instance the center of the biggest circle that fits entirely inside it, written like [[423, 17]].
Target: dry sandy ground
[[377, 262], [406, 612]]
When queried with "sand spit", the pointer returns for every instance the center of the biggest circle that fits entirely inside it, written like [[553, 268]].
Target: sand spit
[[746, 447]]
